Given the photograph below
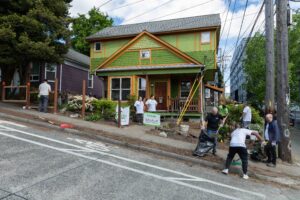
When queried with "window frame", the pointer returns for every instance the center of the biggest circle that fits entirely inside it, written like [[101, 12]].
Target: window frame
[[120, 89], [96, 45], [205, 42], [142, 54], [90, 78], [54, 71], [180, 90], [37, 76], [142, 89]]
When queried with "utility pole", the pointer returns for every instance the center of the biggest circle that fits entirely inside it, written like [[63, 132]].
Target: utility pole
[[270, 72], [282, 80]]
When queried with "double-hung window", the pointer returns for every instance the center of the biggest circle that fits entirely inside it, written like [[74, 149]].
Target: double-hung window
[[35, 73], [90, 80], [120, 88], [50, 72], [185, 87], [142, 87]]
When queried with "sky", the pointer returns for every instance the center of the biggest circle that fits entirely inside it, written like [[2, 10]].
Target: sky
[[135, 11]]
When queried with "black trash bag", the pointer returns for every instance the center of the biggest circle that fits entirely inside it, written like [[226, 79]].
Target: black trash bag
[[205, 144]]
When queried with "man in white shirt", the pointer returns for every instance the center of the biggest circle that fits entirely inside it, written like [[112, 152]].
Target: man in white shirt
[[139, 107], [151, 104], [238, 146], [247, 116], [44, 90]]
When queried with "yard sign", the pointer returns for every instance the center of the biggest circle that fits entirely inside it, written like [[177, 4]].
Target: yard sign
[[152, 119]]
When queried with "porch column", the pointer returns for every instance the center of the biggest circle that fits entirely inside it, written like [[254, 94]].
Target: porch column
[[168, 93]]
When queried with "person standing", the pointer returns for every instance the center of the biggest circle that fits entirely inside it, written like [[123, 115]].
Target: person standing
[[151, 104], [247, 116], [238, 146], [212, 122], [44, 90], [139, 107], [272, 137]]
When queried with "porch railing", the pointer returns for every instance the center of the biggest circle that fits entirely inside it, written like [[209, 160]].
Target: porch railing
[[177, 104]]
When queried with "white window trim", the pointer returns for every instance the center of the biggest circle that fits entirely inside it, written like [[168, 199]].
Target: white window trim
[[206, 42], [100, 46], [145, 50], [55, 72], [120, 89], [90, 79]]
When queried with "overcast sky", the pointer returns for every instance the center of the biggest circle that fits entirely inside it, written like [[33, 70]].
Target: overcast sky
[[134, 11]]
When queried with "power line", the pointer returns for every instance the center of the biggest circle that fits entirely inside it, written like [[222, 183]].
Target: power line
[[148, 11], [242, 22], [225, 19], [104, 3], [229, 26], [248, 38], [129, 4], [197, 5]]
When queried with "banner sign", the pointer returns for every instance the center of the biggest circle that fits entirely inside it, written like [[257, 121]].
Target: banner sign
[[152, 119], [125, 112]]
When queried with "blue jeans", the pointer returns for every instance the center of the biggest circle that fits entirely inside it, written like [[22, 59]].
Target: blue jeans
[[246, 124], [43, 105], [213, 134]]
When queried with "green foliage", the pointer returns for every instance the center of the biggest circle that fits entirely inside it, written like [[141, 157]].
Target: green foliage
[[32, 31], [105, 108], [93, 117], [75, 103], [255, 70], [84, 26]]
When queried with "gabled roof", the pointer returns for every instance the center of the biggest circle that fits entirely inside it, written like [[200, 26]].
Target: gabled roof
[[181, 24], [163, 43], [77, 57]]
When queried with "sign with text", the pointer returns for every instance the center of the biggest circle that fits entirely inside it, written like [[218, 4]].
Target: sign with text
[[152, 119], [125, 112]]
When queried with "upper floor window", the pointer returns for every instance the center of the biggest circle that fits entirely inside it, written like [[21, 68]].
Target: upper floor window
[[145, 54], [50, 72], [97, 46], [90, 80], [205, 37]]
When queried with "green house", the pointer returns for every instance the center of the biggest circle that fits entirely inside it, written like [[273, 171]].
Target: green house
[[161, 58]]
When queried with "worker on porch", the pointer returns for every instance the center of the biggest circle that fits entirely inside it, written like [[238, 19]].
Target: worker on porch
[[212, 123], [151, 104], [139, 107], [44, 90]]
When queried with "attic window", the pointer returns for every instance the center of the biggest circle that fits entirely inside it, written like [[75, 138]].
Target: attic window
[[145, 54], [205, 37], [98, 46]]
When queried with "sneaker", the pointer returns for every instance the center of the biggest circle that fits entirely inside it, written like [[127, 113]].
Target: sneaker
[[245, 176], [271, 165], [225, 171]]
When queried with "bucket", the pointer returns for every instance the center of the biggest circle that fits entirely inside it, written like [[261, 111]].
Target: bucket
[[184, 129]]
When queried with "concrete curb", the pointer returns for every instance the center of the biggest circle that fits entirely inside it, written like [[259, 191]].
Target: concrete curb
[[117, 142]]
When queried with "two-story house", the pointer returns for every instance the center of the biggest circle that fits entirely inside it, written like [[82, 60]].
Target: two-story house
[[161, 58]]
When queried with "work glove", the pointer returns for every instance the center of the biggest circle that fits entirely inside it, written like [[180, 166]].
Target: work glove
[[273, 143]]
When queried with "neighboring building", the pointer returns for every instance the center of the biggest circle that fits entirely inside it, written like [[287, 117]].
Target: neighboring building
[[160, 58], [70, 74], [237, 76]]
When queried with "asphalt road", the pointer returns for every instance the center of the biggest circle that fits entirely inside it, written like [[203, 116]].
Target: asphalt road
[[37, 164]]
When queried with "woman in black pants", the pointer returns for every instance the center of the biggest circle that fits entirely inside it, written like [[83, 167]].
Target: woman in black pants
[[238, 146]]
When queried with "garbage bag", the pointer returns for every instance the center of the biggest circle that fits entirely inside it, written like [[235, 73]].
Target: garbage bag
[[205, 144]]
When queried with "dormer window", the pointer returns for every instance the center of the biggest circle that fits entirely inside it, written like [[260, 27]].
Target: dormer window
[[205, 37], [145, 54], [97, 46]]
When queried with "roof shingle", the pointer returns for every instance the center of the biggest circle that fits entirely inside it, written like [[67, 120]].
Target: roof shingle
[[159, 26]]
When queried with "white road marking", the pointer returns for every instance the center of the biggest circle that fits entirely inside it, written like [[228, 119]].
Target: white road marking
[[12, 123], [93, 145], [140, 163]]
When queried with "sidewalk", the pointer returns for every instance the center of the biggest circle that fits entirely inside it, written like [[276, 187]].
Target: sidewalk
[[135, 136]]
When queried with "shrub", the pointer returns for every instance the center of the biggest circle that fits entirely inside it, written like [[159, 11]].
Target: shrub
[[105, 108], [93, 117], [75, 103]]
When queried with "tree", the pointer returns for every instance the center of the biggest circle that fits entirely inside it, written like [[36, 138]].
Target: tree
[[32, 30], [255, 69], [84, 26]]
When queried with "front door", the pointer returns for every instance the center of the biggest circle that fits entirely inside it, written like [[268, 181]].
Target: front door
[[161, 95]]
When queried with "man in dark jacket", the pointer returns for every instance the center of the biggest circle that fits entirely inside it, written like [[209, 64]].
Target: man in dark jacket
[[272, 137]]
